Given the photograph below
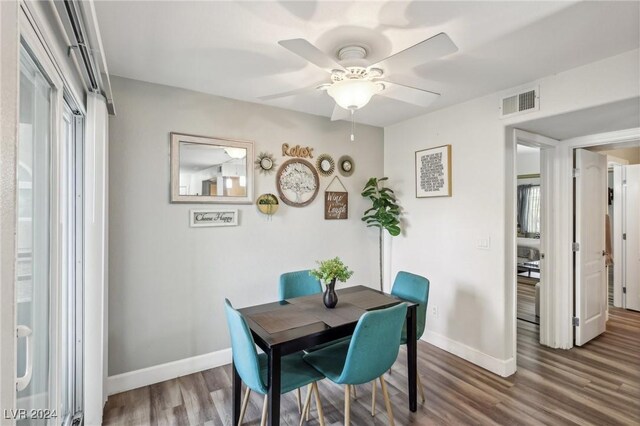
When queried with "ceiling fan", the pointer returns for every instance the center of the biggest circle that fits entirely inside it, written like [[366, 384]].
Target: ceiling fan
[[354, 83]]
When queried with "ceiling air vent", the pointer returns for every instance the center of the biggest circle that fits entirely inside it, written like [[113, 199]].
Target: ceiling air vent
[[519, 103]]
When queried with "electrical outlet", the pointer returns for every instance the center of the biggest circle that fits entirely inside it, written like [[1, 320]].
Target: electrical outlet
[[434, 311]]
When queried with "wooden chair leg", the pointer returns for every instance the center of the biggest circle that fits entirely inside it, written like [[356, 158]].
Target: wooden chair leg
[[309, 393], [298, 400], [263, 421], [347, 405], [421, 388], [243, 409], [373, 398], [318, 404], [387, 402], [355, 393], [307, 404]]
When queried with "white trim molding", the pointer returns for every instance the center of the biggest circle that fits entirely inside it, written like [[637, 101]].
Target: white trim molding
[[608, 138], [96, 209], [9, 84], [170, 370], [501, 367]]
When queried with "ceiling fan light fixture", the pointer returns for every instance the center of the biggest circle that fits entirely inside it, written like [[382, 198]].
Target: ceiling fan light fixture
[[353, 94]]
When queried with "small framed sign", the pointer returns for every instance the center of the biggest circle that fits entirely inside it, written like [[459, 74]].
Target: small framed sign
[[210, 217], [433, 172], [336, 203]]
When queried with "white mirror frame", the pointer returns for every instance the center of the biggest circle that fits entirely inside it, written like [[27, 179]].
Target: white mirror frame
[[176, 138]]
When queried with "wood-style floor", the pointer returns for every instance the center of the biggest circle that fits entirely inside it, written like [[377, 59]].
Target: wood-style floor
[[597, 384], [526, 294]]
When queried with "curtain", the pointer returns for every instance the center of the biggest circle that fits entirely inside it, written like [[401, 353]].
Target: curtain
[[529, 209]]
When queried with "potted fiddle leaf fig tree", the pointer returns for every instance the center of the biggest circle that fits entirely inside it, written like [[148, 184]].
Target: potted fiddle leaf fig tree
[[383, 214], [328, 271]]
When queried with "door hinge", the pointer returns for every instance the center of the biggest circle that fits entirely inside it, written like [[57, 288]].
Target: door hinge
[[624, 236], [575, 172], [576, 322], [575, 246], [624, 290]]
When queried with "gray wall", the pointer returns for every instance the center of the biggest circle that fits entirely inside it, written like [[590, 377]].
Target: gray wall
[[167, 280]]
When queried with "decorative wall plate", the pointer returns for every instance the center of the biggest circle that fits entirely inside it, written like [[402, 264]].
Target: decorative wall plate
[[297, 182], [265, 163], [325, 164], [346, 166], [268, 204]]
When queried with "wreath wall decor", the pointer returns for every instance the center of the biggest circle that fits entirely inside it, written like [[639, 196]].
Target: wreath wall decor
[[297, 182], [325, 164], [346, 166], [265, 163]]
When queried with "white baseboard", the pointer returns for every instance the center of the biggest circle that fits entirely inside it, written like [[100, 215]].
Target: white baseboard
[[170, 370], [500, 367], [160, 373]]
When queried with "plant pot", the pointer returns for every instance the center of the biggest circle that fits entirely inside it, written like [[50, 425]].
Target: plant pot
[[330, 298]]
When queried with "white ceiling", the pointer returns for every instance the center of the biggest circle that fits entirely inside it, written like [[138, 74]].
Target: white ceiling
[[230, 48]]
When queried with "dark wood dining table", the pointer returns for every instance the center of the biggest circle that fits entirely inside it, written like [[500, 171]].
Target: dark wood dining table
[[282, 328]]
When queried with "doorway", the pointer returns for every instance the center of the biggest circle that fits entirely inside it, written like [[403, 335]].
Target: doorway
[[622, 229], [528, 222]]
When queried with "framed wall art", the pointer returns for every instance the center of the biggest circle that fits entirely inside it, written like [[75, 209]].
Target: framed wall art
[[213, 217], [336, 201], [297, 182], [433, 172]]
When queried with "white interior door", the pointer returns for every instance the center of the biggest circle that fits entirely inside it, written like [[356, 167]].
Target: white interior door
[[591, 277], [632, 242]]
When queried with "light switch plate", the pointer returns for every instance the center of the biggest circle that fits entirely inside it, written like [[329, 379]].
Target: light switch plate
[[483, 243]]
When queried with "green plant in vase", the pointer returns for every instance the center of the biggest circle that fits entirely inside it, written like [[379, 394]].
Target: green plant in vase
[[384, 212], [327, 272]]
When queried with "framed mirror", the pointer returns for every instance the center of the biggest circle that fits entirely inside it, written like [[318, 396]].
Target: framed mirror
[[210, 170]]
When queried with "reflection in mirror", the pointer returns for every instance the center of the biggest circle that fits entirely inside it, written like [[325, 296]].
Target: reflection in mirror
[[210, 170]]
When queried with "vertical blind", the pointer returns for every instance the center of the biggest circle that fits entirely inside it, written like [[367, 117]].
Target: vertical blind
[[529, 209]]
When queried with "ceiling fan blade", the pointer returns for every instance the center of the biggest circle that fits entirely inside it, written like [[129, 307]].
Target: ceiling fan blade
[[340, 113], [308, 51], [425, 51], [408, 94], [291, 92]]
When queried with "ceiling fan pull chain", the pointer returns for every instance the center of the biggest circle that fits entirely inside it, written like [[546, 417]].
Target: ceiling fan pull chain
[[353, 124]]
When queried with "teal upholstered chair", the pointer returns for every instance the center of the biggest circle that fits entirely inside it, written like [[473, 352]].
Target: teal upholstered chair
[[414, 288], [298, 284], [368, 355], [253, 367]]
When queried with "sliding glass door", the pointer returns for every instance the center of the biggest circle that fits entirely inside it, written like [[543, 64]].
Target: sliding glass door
[[33, 293], [49, 269]]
